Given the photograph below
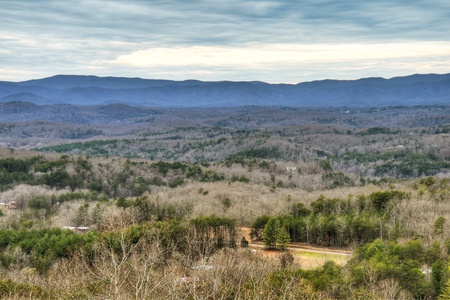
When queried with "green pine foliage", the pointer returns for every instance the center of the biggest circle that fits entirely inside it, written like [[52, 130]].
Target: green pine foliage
[[283, 238], [270, 233], [336, 222]]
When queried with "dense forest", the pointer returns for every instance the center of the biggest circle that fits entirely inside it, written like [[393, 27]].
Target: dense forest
[[155, 211]]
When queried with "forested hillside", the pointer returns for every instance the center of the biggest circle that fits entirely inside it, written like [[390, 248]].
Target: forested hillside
[[152, 208], [426, 89]]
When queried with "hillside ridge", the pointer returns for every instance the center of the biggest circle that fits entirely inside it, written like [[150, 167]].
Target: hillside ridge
[[86, 90]]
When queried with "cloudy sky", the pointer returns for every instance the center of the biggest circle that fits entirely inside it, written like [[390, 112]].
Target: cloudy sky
[[272, 41]]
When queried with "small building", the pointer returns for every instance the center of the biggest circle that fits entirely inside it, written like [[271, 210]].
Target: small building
[[291, 169], [81, 229], [11, 205], [77, 229]]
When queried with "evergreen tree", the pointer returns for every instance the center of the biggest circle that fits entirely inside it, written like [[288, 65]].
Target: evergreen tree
[[446, 292], [244, 242], [82, 216], [270, 233], [283, 238]]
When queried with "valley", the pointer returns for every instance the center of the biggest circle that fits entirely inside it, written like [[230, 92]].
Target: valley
[[158, 196]]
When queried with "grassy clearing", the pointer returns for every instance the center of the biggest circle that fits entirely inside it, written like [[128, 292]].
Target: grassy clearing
[[307, 259], [311, 259]]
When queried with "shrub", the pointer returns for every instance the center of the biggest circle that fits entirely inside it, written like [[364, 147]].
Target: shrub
[[177, 181], [39, 203], [257, 227], [380, 199]]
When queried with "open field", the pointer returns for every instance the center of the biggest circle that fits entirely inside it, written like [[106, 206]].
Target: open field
[[305, 256]]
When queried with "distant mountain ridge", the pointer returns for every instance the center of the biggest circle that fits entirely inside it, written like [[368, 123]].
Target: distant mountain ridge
[[83, 90]]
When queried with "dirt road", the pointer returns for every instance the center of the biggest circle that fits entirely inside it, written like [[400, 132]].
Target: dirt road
[[305, 255]]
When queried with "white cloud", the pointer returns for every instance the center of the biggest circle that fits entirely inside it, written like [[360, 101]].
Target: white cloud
[[13, 74], [284, 63], [275, 54]]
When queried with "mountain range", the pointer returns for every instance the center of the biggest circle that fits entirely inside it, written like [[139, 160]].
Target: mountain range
[[419, 89]]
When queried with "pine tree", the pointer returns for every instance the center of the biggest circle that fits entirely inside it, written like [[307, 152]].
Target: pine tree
[[282, 238], [445, 293], [82, 216], [270, 233]]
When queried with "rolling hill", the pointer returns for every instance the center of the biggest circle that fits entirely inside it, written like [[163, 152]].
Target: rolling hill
[[92, 90]]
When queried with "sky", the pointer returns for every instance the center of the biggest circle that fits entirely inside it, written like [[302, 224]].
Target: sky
[[212, 40]]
